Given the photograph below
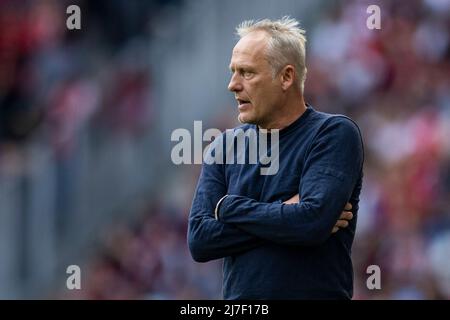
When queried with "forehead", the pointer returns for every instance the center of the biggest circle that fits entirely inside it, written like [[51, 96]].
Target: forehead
[[250, 49]]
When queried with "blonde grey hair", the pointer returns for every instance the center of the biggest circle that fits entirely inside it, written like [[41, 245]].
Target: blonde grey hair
[[286, 44]]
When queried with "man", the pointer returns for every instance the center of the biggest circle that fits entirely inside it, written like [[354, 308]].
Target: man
[[287, 235]]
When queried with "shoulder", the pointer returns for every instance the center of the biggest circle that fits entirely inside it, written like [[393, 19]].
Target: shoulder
[[339, 136], [336, 130], [338, 124]]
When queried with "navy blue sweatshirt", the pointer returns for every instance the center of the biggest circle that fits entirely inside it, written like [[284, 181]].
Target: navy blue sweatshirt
[[273, 250]]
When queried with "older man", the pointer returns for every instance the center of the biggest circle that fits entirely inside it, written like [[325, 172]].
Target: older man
[[287, 235]]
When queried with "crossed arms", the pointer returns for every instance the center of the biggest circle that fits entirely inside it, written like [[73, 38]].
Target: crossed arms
[[330, 173]]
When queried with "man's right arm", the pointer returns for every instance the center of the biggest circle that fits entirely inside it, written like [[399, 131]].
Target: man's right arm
[[209, 238]]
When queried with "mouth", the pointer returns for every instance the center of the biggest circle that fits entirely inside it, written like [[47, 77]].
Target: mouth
[[243, 104]]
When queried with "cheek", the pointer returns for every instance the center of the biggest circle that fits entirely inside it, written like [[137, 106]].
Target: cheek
[[265, 95], [256, 92], [261, 93]]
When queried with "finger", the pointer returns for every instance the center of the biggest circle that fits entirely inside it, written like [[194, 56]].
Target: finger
[[347, 215], [335, 229], [348, 206], [341, 224]]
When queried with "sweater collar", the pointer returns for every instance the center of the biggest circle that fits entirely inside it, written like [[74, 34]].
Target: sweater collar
[[298, 122]]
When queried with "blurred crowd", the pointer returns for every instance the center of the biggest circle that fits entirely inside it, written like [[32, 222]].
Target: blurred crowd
[[55, 81], [394, 82], [73, 105]]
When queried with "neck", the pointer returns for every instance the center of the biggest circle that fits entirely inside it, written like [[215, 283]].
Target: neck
[[289, 113]]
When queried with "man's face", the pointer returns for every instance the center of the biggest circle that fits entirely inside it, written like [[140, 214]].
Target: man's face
[[258, 95]]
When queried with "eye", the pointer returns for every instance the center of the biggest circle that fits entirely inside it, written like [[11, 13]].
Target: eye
[[247, 74]]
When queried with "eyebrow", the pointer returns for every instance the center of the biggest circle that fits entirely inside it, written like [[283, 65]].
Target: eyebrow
[[242, 66]]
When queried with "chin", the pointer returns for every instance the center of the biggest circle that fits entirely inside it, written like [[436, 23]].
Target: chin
[[242, 118]]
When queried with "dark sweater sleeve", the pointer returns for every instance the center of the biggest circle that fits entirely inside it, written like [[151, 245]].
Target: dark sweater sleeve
[[331, 171], [208, 238]]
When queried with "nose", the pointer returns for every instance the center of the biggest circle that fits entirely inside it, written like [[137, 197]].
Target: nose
[[235, 84]]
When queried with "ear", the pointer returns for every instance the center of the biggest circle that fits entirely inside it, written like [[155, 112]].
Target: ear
[[287, 77]]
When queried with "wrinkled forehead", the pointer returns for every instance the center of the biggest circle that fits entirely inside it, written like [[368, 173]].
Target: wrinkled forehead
[[251, 46]]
